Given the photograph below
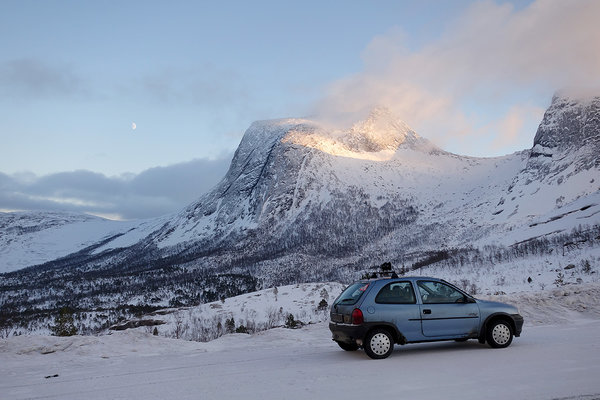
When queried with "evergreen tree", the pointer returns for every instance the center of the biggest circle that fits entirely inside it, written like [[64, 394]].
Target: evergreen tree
[[290, 322], [230, 325], [322, 304], [63, 323], [241, 329]]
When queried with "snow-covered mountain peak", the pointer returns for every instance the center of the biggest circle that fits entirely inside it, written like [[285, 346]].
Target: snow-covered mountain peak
[[381, 130], [260, 138], [375, 138], [261, 133]]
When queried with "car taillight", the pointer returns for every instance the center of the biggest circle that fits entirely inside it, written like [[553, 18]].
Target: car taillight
[[357, 317]]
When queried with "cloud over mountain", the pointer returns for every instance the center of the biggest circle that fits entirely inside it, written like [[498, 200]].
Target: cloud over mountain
[[153, 192], [483, 58]]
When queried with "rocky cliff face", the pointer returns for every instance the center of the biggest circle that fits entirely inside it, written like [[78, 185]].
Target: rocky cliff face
[[564, 162], [569, 126]]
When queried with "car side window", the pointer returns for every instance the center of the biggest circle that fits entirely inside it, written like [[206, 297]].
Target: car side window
[[437, 292], [396, 293]]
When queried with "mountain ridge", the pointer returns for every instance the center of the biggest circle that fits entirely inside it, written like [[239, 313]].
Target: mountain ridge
[[283, 165]]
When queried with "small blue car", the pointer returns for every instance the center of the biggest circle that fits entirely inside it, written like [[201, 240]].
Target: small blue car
[[376, 314]]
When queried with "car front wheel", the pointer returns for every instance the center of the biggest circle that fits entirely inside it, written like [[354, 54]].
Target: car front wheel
[[379, 344], [499, 334]]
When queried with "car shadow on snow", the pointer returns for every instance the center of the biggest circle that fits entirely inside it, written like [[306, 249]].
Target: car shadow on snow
[[424, 348], [435, 347]]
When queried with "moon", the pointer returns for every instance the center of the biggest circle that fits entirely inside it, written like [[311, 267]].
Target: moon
[[133, 126]]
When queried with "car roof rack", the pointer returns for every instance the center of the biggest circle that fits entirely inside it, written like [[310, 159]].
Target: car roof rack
[[383, 274]]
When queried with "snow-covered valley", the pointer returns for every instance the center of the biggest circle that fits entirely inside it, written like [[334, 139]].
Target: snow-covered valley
[[556, 357]]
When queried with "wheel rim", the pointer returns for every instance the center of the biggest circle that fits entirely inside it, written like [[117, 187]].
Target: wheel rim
[[380, 344], [501, 334]]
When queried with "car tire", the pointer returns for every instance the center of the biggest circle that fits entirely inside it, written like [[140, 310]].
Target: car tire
[[379, 344], [499, 334], [348, 346]]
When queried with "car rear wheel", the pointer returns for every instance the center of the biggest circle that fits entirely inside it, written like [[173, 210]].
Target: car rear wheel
[[348, 346], [379, 344], [499, 334]]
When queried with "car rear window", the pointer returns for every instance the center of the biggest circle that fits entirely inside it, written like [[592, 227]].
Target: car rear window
[[396, 293], [352, 293]]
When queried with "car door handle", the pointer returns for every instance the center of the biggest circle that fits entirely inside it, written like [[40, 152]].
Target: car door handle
[[426, 311]]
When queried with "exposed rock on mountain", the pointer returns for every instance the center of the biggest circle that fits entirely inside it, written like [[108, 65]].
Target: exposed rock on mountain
[[569, 132], [565, 155], [568, 124]]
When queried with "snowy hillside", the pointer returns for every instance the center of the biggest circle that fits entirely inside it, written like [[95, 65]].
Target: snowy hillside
[[307, 303], [32, 238]]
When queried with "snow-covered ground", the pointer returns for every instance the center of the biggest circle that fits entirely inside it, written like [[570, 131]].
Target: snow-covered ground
[[557, 357], [547, 362]]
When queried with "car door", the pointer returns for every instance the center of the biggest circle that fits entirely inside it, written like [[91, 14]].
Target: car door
[[396, 303], [445, 311]]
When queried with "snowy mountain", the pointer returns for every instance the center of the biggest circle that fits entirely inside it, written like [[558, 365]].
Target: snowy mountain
[[302, 203], [32, 238], [381, 190]]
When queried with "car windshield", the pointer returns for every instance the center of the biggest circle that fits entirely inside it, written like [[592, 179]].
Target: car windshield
[[352, 293]]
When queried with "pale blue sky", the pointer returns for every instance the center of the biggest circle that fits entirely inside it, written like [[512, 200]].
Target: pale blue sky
[[193, 75]]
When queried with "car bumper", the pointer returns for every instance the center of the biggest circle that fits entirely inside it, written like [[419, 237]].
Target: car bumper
[[518, 319], [347, 333]]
